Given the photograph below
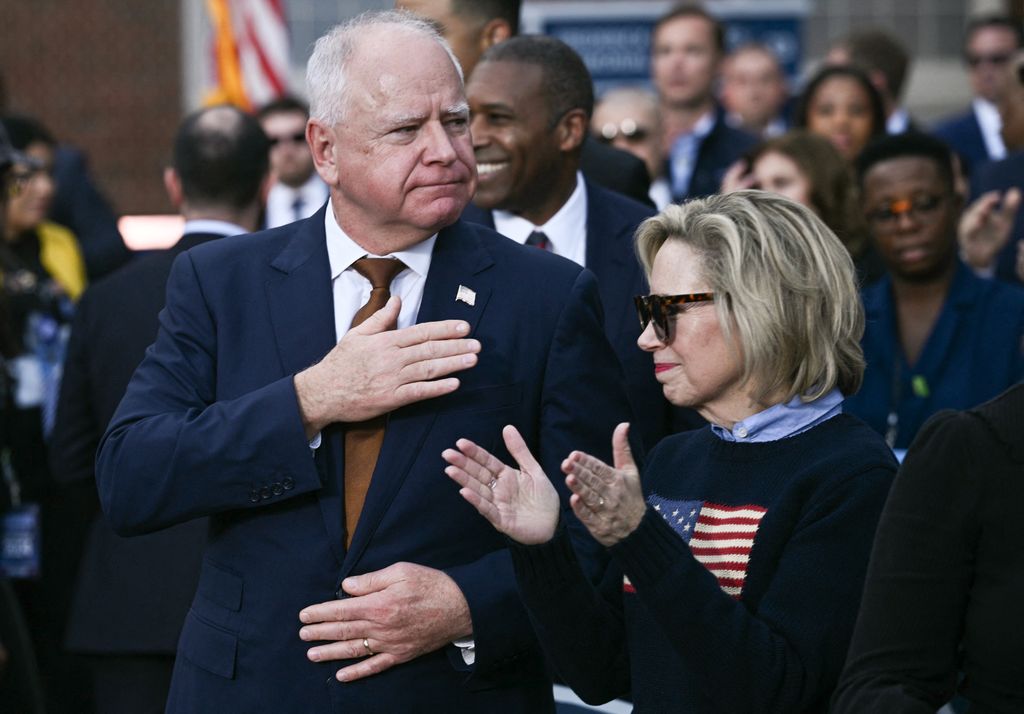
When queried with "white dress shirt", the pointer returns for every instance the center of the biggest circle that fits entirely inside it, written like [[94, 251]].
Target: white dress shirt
[[352, 291], [206, 225], [683, 155], [990, 123], [281, 201], [566, 230]]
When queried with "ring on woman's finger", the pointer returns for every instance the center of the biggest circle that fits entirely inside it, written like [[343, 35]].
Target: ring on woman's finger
[[600, 501], [492, 484], [366, 646]]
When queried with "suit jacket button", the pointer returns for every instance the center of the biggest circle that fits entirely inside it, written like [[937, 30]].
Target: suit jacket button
[[254, 496], [265, 493], [288, 484], [277, 488], [340, 594]]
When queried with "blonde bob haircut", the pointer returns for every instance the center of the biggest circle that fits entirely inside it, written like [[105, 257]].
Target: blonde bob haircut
[[782, 280]]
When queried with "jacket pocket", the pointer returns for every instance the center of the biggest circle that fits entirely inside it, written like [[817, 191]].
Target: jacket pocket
[[208, 647]]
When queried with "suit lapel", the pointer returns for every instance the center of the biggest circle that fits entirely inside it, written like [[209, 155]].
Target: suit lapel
[[302, 314], [458, 267]]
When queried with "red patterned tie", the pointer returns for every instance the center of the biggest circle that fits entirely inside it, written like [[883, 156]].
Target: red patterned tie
[[363, 439], [538, 240]]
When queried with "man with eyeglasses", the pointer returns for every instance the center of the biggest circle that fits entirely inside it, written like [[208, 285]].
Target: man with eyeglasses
[[990, 43], [937, 336], [627, 118], [298, 191]]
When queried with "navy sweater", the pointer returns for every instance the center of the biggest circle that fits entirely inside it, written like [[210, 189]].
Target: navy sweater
[[738, 591]]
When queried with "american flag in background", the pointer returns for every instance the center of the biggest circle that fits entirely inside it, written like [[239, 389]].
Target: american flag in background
[[720, 537], [250, 51]]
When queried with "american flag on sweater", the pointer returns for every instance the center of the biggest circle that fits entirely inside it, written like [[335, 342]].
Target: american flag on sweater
[[720, 537]]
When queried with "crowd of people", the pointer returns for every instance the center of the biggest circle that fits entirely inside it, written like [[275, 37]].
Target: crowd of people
[[726, 373]]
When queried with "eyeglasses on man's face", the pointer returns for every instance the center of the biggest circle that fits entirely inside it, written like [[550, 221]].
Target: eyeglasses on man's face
[[919, 208], [21, 175], [657, 309], [628, 129], [997, 59], [298, 137]]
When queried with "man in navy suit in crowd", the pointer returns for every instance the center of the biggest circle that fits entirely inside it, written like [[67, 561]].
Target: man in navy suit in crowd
[[990, 44], [132, 594], [343, 572], [687, 47]]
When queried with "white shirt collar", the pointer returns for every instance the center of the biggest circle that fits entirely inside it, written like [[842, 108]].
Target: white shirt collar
[[990, 123], [566, 230], [342, 251], [206, 225], [898, 122]]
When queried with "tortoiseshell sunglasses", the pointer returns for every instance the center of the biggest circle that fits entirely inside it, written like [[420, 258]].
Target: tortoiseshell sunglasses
[[659, 308]]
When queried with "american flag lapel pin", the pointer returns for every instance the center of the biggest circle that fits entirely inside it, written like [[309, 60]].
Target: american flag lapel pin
[[465, 295]]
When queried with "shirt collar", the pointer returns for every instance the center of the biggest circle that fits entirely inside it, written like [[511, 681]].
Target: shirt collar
[[206, 225], [561, 228], [342, 251], [898, 122], [782, 421], [989, 122]]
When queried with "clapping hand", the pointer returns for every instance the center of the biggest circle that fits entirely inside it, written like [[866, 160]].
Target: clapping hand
[[608, 500], [985, 227], [521, 503]]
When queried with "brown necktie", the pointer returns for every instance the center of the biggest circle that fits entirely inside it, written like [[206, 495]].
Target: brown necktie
[[363, 439]]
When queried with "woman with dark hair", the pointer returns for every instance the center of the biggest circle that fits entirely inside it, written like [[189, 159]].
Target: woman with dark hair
[[841, 104], [806, 168]]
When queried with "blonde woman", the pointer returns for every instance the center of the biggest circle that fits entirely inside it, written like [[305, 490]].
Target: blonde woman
[[738, 551]]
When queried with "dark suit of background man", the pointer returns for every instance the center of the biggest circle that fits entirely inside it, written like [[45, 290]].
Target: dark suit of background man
[[472, 26], [531, 99], [132, 594], [408, 603]]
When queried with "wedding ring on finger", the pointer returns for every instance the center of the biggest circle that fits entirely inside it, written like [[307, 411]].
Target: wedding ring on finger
[[366, 646], [600, 501], [492, 484]]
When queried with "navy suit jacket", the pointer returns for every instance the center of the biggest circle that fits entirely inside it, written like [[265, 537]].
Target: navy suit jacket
[[718, 151], [612, 220], [132, 594], [963, 134], [210, 426], [79, 205]]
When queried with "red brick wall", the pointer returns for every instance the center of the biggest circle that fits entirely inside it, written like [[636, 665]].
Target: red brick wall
[[105, 76]]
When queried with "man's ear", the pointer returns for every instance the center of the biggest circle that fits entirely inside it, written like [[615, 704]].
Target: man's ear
[[172, 184], [572, 130], [321, 140], [494, 32]]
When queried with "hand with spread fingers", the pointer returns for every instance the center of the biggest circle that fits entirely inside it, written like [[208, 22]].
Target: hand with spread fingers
[[521, 503], [985, 227], [607, 500]]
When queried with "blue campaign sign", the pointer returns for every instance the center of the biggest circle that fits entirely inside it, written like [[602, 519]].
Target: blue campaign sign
[[614, 37]]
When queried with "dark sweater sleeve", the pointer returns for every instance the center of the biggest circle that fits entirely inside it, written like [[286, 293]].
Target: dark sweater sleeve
[[580, 627], [781, 658], [903, 654]]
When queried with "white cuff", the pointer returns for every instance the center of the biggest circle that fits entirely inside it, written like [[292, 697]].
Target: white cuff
[[467, 648]]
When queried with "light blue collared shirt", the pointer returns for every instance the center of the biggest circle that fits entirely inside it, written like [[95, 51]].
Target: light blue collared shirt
[[783, 420]]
